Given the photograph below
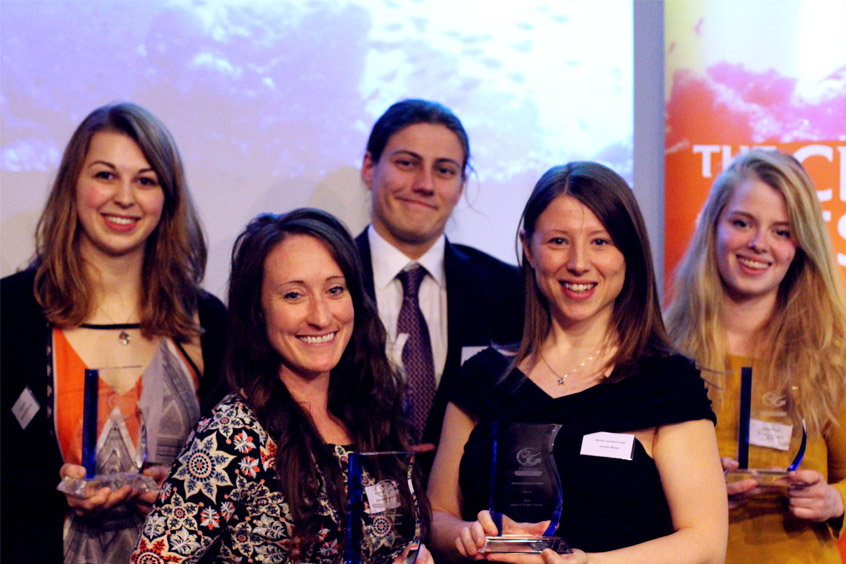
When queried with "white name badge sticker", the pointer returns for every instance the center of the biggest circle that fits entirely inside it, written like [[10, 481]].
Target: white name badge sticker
[[383, 496], [467, 352], [608, 445], [25, 407], [770, 434]]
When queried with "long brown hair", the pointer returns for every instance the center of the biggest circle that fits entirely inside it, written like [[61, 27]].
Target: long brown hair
[[174, 254], [803, 345], [637, 317], [365, 391]]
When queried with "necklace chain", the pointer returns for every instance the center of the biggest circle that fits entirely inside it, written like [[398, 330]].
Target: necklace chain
[[124, 338], [562, 379]]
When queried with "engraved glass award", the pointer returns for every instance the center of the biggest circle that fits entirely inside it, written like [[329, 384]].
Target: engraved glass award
[[383, 518], [771, 441], [111, 457], [525, 486]]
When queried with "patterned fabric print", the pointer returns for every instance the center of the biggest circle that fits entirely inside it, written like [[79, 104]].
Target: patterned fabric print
[[203, 467], [168, 401], [417, 353], [222, 495]]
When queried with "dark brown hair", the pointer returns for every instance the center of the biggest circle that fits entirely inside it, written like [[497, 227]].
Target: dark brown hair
[[637, 317], [365, 392], [410, 112]]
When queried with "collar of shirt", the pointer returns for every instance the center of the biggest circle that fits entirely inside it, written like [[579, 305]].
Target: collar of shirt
[[388, 261]]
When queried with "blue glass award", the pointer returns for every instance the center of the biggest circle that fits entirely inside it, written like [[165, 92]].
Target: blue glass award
[[768, 434], [383, 518], [122, 462], [525, 486]]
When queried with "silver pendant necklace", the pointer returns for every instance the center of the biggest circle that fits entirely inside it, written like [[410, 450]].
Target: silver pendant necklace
[[562, 378]]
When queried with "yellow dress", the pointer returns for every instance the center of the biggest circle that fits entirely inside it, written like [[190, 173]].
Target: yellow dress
[[763, 529]]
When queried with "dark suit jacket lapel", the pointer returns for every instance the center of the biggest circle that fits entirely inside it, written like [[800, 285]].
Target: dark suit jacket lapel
[[455, 264], [458, 294], [363, 244]]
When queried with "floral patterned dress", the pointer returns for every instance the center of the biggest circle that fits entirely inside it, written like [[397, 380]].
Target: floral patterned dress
[[222, 496]]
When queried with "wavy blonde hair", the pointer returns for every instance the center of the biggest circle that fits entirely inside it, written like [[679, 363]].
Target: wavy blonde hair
[[803, 345], [174, 254]]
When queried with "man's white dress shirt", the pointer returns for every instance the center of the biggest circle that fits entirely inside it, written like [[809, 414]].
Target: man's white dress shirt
[[387, 262]]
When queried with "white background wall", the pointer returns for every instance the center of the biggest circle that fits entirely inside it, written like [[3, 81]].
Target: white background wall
[[271, 102]]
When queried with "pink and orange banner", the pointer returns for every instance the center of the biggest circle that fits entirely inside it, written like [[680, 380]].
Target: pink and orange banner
[[729, 90], [692, 168], [750, 74]]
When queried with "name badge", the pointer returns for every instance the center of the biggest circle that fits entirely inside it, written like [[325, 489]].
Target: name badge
[[608, 445], [770, 434], [25, 408]]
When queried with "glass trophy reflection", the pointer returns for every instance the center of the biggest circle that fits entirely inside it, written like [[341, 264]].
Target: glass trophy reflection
[[114, 448], [524, 486], [383, 518], [771, 439]]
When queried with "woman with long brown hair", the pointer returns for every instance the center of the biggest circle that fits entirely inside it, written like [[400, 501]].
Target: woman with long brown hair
[[114, 286], [594, 358], [264, 476]]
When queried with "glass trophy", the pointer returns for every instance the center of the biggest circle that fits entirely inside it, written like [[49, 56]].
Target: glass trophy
[[110, 470], [383, 518], [771, 440], [524, 486]]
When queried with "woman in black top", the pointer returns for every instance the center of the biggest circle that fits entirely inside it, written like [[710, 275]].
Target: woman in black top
[[594, 358]]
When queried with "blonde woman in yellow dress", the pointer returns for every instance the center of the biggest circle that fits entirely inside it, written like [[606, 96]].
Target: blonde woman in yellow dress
[[759, 287]]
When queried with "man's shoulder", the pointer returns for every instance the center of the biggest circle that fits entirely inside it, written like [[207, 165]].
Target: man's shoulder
[[362, 243], [210, 306], [482, 259]]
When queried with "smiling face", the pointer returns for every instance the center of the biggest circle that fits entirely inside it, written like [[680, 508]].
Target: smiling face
[[577, 266], [307, 308], [415, 185], [119, 199], [754, 242]]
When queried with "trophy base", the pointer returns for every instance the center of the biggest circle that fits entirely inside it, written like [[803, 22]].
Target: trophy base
[[525, 544], [775, 478], [409, 555], [86, 487]]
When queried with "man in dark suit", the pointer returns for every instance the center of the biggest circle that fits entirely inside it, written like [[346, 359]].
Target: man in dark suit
[[415, 168]]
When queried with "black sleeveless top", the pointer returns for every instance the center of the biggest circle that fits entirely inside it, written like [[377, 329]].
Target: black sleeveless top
[[608, 503]]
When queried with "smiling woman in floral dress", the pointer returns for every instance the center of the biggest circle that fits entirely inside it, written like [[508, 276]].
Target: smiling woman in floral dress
[[263, 479]]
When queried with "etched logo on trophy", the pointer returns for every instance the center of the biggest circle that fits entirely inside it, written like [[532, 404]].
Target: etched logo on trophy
[[525, 486], [528, 457]]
